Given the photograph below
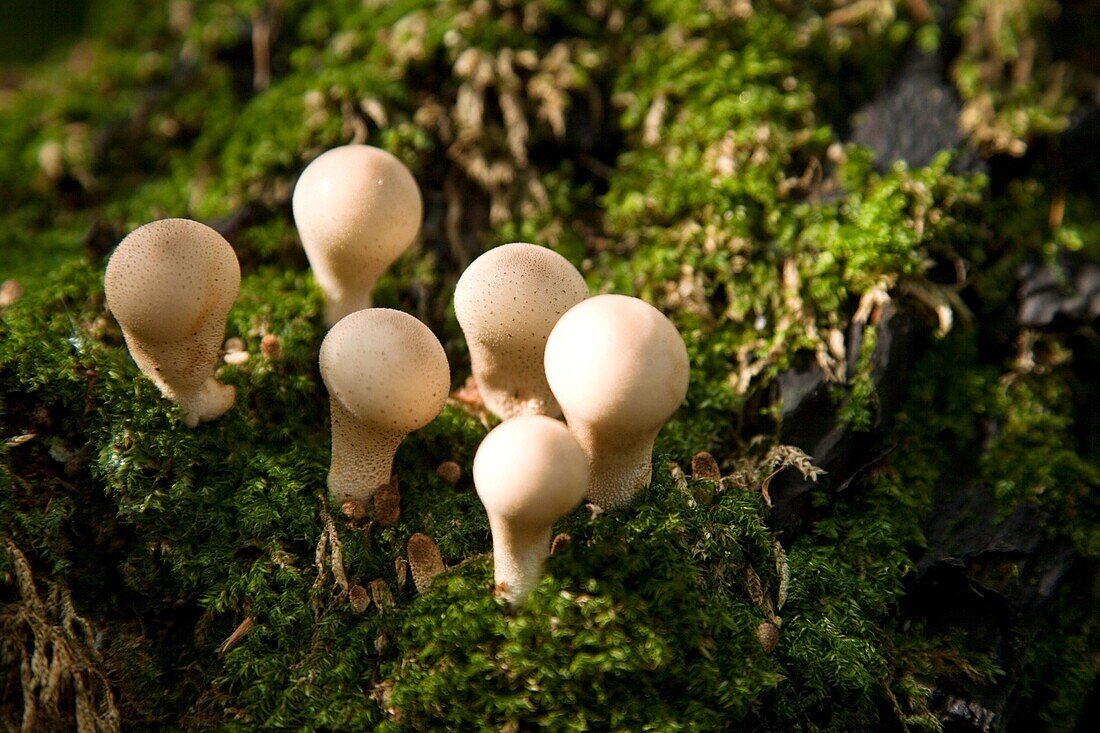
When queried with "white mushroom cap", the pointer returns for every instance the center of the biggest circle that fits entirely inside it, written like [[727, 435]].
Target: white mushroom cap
[[357, 208], [170, 285], [619, 369], [507, 302], [529, 473], [387, 375]]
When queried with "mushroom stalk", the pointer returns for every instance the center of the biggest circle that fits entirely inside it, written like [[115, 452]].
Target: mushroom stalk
[[356, 471], [622, 466], [518, 557], [188, 383]]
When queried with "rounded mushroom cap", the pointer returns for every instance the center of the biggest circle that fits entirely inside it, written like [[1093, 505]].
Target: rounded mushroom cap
[[514, 294], [357, 203], [386, 368], [617, 361], [530, 470], [168, 276]]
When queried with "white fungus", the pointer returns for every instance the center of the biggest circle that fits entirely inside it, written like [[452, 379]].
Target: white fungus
[[357, 208], [529, 473], [507, 302], [619, 369], [387, 375], [170, 284]]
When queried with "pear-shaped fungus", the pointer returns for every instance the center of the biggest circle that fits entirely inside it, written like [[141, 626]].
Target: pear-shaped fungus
[[387, 375], [529, 473], [507, 302], [170, 284], [357, 208], [619, 369]]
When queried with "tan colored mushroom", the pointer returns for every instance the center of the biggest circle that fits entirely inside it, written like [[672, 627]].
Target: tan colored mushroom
[[357, 208], [170, 284], [507, 302], [386, 375], [529, 473], [619, 369]]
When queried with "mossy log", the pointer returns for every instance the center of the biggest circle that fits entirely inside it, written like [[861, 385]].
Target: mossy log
[[890, 320]]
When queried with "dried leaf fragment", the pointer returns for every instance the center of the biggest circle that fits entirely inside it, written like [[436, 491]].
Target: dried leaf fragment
[[767, 634], [559, 543], [238, 634], [359, 598], [387, 503], [703, 466], [425, 561], [450, 472]]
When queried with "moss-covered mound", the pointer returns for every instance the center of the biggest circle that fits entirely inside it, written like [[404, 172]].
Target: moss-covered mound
[[875, 225]]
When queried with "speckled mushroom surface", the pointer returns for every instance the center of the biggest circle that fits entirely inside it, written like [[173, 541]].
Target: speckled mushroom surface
[[507, 302], [357, 208], [387, 375], [170, 284], [619, 369], [529, 473]]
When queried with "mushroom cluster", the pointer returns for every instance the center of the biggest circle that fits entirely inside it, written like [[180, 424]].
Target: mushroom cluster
[[539, 347]]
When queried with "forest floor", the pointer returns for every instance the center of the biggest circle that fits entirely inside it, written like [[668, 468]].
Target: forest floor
[[874, 224]]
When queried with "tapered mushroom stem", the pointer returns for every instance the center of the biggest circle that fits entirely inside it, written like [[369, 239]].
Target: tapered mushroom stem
[[507, 302], [200, 397], [621, 467], [387, 375], [518, 558], [529, 473], [619, 369], [170, 285], [357, 208], [362, 455]]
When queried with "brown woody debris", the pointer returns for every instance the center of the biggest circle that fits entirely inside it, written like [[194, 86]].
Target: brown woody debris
[[10, 291], [238, 634], [387, 504], [381, 594], [425, 562], [353, 509]]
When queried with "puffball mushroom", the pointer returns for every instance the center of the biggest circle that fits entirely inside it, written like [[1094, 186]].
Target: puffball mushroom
[[387, 375], [507, 301], [619, 369], [529, 473], [357, 208], [170, 285]]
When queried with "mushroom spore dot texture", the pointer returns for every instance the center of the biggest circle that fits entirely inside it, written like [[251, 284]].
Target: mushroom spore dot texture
[[507, 302]]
